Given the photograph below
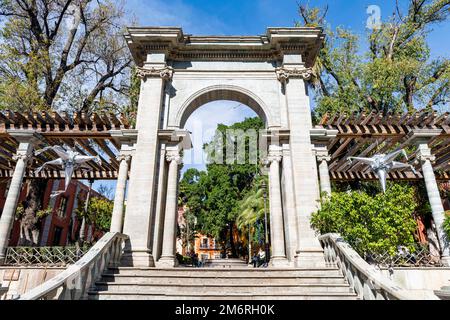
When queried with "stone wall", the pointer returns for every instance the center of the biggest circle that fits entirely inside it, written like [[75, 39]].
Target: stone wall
[[17, 281], [421, 281]]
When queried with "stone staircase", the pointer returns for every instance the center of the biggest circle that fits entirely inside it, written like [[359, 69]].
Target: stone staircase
[[225, 284]]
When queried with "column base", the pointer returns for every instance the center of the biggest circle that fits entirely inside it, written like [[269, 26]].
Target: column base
[[310, 258], [167, 263], [444, 260], [279, 262], [137, 258]]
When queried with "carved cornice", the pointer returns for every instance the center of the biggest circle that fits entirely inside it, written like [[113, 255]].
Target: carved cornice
[[164, 73], [284, 74]]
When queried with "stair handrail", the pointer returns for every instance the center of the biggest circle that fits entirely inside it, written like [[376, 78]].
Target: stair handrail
[[368, 282], [75, 282]]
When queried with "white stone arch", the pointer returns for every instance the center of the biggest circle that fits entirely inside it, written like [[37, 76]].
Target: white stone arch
[[224, 92]]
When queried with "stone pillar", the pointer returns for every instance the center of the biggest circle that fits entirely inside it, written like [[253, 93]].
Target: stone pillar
[[142, 184], [119, 198], [426, 159], [324, 173], [292, 75], [158, 230], [278, 258], [168, 258], [22, 156]]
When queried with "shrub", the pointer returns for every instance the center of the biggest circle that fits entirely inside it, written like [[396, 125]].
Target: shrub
[[447, 224], [370, 224]]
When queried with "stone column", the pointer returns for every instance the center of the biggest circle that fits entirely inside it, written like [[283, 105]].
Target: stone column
[[168, 258], [143, 173], [22, 156], [426, 159], [278, 258], [119, 198], [324, 172], [292, 75]]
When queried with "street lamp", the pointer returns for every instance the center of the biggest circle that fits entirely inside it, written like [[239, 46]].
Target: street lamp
[[266, 229]]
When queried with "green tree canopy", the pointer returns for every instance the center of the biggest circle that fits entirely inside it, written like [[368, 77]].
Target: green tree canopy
[[214, 196], [63, 55], [394, 71]]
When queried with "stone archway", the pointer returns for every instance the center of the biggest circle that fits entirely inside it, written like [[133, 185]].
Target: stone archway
[[179, 74]]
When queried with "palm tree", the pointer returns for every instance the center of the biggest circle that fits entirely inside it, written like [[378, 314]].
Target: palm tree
[[251, 211]]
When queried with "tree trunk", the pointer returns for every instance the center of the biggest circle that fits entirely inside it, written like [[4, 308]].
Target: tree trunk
[[30, 224]]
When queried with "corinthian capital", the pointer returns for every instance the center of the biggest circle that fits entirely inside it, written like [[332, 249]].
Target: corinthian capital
[[173, 155], [21, 156], [284, 74], [164, 73], [124, 157], [424, 154], [274, 155]]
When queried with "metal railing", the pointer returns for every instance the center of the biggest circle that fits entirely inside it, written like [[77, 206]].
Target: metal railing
[[405, 258], [75, 282], [368, 282], [44, 256]]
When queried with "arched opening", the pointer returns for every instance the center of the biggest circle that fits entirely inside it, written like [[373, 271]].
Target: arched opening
[[223, 93], [208, 226]]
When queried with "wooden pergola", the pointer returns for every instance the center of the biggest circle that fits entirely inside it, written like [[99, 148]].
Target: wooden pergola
[[89, 135], [360, 135], [363, 135]]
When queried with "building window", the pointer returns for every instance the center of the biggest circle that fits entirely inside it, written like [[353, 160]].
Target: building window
[[57, 236], [62, 209], [204, 244]]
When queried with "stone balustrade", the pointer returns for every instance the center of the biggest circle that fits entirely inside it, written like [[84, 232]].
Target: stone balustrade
[[368, 282], [75, 282]]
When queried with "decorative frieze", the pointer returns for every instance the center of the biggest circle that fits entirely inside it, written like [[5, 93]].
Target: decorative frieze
[[284, 74], [164, 73]]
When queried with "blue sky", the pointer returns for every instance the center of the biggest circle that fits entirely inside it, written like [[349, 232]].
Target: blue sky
[[252, 17]]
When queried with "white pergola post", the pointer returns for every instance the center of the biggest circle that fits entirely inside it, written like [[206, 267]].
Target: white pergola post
[[274, 159], [426, 158], [119, 198], [127, 140], [23, 154], [168, 258], [323, 158]]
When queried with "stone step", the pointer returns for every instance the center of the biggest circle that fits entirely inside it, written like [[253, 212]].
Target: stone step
[[219, 297], [207, 289], [218, 273], [230, 280]]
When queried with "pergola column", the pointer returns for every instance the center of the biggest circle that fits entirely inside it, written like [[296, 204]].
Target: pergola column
[[127, 140], [23, 154], [119, 198], [323, 158], [168, 258], [278, 258], [437, 209]]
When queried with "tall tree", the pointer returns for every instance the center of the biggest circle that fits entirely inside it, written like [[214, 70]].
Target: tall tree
[[394, 73], [65, 54], [214, 196]]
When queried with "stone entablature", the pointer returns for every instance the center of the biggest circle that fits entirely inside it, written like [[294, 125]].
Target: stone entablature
[[180, 47]]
